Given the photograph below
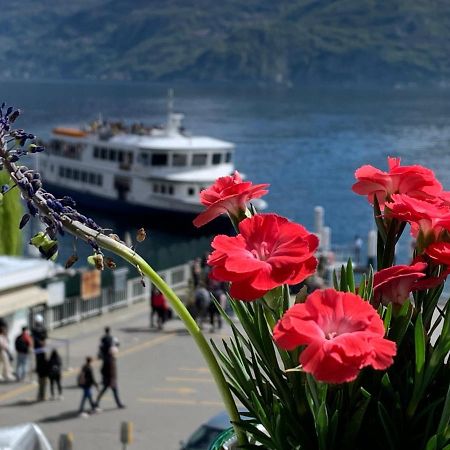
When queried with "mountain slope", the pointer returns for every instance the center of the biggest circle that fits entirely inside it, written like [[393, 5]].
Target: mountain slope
[[288, 40]]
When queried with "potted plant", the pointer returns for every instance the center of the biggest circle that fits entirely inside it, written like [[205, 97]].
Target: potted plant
[[351, 366]]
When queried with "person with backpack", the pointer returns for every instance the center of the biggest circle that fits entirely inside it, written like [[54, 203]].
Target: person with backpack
[[54, 373], [86, 380], [22, 345]]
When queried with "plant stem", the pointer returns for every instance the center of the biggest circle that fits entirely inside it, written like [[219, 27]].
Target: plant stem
[[133, 258]]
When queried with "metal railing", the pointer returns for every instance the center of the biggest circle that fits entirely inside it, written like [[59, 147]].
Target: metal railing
[[75, 309]]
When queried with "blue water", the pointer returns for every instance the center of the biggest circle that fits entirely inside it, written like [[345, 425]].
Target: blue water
[[305, 143]]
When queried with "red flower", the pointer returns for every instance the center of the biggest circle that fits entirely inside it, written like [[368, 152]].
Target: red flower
[[227, 195], [393, 285], [269, 251], [439, 252], [416, 181], [431, 217], [342, 334]]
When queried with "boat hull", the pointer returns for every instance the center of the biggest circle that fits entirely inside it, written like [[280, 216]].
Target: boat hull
[[140, 215]]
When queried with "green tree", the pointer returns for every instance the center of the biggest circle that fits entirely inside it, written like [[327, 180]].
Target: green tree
[[11, 211]]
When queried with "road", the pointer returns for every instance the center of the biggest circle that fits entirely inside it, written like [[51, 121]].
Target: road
[[163, 382]]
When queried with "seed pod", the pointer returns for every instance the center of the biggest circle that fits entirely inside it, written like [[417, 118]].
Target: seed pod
[[71, 260], [24, 220], [97, 261], [110, 263], [141, 235]]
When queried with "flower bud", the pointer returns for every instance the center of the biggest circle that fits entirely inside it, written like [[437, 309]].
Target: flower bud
[[141, 235]]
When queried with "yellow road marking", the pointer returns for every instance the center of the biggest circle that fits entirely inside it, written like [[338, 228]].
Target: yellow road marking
[[186, 379], [179, 402], [67, 373], [181, 390], [195, 369]]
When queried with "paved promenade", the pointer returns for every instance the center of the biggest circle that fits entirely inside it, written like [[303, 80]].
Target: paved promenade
[[163, 382]]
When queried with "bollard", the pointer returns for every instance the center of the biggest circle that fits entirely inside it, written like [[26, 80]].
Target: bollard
[[65, 441], [372, 249], [318, 219], [126, 434]]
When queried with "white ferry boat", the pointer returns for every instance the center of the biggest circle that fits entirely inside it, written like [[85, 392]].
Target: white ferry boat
[[133, 168]]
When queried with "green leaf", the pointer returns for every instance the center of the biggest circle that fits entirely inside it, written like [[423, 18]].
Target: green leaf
[[343, 283], [350, 276], [445, 419], [419, 341], [432, 443], [389, 428], [322, 426], [354, 424], [387, 317]]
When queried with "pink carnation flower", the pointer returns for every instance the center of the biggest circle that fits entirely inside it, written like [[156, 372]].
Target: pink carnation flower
[[342, 334], [431, 217], [393, 285], [227, 195], [416, 181], [269, 251]]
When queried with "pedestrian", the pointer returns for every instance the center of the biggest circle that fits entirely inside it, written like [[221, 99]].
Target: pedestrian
[[109, 377], [39, 335], [160, 307], [202, 302], [196, 271], [5, 356], [218, 292], [86, 380], [23, 345], [54, 374], [106, 341]]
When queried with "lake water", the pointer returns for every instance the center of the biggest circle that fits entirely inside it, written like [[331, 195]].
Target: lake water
[[306, 143]]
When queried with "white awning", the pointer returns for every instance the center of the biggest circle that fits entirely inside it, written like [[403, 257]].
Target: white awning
[[21, 298]]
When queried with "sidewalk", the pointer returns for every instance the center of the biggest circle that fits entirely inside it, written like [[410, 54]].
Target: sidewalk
[[163, 380]]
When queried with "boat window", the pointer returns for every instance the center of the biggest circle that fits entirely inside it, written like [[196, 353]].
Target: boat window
[[144, 158], [191, 191], [91, 178], [120, 156], [179, 159], [130, 157], [99, 180], [159, 159], [96, 152], [156, 188], [84, 176], [61, 171], [68, 172], [163, 189], [56, 146], [170, 190], [228, 157], [103, 153], [217, 158], [199, 159], [76, 174], [112, 155]]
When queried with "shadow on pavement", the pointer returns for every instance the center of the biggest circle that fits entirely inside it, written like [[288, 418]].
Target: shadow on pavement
[[60, 417], [20, 403]]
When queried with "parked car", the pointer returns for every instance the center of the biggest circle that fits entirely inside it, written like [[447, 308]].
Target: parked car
[[205, 434]]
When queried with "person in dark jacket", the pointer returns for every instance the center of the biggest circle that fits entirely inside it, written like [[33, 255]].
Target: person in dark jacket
[[106, 341], [86, 380], [109, 377], [54, 373], [39, 335], [23, 344]]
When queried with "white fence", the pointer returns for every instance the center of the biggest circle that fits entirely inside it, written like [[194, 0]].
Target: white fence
[[75, 309]]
